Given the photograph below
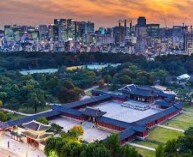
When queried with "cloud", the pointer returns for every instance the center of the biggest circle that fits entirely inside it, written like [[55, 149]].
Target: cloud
[[102, 12]]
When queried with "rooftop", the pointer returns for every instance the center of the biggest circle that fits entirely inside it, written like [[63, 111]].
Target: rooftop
[[183, 77], [117, 111], [145, 91], [93, 112], [36, 126]]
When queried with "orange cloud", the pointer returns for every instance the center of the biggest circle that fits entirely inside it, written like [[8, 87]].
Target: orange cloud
[[102, 12]]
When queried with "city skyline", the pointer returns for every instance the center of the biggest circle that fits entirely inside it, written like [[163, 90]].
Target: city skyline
[[165, 12]]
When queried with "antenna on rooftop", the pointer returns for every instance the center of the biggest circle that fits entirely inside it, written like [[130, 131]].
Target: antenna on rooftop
[[165, 23], [184, 22]]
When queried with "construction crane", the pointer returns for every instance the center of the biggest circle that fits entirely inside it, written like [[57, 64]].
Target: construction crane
[[165, 23], [184, 22]]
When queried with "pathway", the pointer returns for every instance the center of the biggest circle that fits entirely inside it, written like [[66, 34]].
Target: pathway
[[171, 128], [90, 89], [141, 146], [6, 153], [18, 149]]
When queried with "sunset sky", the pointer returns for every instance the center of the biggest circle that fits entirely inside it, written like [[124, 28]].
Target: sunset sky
[[102, 12]]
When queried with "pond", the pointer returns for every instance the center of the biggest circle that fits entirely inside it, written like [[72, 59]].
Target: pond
[[50, 71], [38, 71], [93, 66]]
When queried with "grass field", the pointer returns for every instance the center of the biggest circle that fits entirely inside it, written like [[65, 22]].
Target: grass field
[[161, 135], [145, 153], [184, 120], [157, 136]]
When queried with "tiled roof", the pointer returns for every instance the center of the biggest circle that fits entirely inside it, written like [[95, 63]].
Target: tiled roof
[[36, 126], [162, 103], [87, 101], [178, 105], [65, 109], [37, 137], [113, 95], [159, 115], [126, 133], [93, 112], [21, 121], [2, 124], [114, 122], [145, 91]]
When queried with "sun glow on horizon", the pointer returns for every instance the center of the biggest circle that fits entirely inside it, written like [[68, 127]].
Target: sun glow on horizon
[[102, 12]]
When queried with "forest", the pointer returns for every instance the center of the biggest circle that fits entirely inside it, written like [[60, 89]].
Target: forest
[[33, 93]]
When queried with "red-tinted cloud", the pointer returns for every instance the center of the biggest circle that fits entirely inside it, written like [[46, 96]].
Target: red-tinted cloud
[[102, 12]]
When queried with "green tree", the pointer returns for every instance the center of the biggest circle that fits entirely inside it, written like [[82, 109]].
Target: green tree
[[76, 131], [52, 154], [33, 101], [3, 96], [112, 144], [127, 151], [101, 152], [170, 147], [52, 145], [159, 151], [1, 103], [101, 83], [55, 128], [108, 79], [43, 120], [3, 116]]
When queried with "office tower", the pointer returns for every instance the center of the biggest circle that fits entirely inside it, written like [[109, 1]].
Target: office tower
[[188, 43], [153, 30], [43, 32], [9, 35], [141, 22]]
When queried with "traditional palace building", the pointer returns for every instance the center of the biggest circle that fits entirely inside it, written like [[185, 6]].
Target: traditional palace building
[[83, 111], [35, 133]]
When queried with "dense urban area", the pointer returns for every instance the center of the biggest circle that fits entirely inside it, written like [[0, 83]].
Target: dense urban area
[[96, 78], [129, 36]]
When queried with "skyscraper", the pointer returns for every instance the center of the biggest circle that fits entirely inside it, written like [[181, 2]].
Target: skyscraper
[[188, 43], [141, 22], [43, 32]]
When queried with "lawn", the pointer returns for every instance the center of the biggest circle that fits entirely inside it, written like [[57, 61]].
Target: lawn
[[183, 121], [159, 136], [163, 135], [146, 153]]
